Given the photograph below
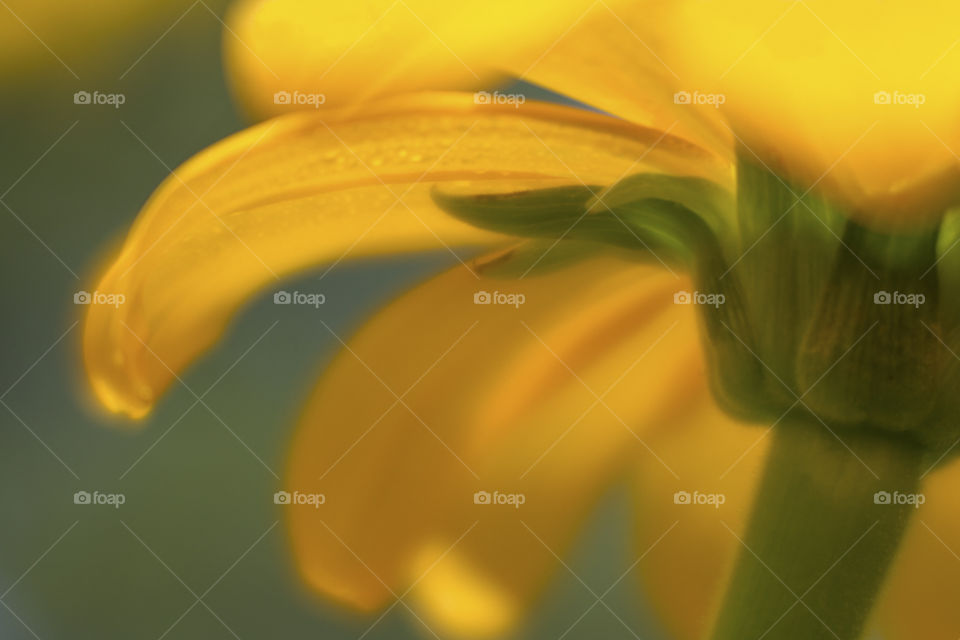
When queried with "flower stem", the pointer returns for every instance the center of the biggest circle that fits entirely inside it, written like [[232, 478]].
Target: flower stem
[[820, 538]]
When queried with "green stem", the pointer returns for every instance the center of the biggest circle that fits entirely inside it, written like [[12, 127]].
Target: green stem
[[818, 545]]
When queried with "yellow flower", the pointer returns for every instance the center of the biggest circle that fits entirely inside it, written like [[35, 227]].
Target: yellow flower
[[597, 371]]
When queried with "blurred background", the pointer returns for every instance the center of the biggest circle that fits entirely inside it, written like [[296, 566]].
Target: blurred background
[[198, 549]]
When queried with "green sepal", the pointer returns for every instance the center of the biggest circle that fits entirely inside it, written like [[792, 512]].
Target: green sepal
[[787, 240], [869, 356], [678, 213], [712, 204], [559, 214], [810, 274], [734, 373], [942, 432]]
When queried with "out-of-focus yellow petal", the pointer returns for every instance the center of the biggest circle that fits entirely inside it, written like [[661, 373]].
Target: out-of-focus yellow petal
[[487, 404], [312, 188], [923, 590], [859, 97], [282, 53], [350, 52], [863, 110], [602, 60], [683, 572]]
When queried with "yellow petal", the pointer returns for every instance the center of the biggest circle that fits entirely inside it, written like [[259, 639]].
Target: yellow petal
[[486, 403], [350, 52], [322, 55], [313, 188], [921, 598], [686, 548], [859, 96], [601, 60]]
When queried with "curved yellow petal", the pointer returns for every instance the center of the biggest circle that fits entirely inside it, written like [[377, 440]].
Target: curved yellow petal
[[821, 96], [486, 404], [858, 97], [685, 538], [312, 188], [350, 52], [294, 54], [921, 598]]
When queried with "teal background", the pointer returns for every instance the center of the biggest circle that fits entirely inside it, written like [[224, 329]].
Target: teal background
[[199, 499]]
